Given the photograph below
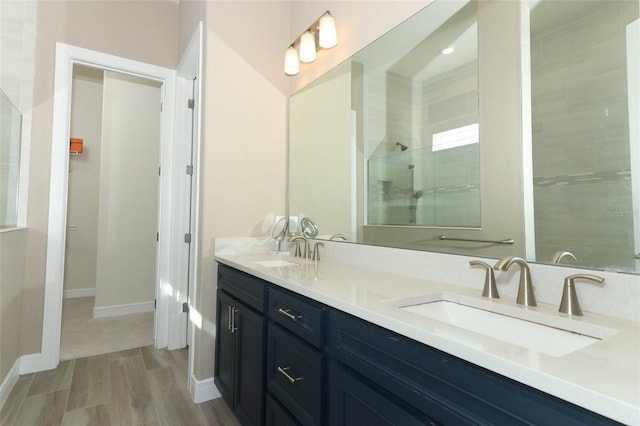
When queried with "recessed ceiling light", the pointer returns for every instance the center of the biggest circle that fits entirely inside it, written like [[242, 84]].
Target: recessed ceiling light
[[448, 51]]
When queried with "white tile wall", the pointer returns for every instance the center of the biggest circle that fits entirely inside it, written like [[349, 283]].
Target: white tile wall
[[17, 50]]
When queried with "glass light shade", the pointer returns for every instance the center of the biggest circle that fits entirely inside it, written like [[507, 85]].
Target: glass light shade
[[291, 62], [328, 37], [307, 47]]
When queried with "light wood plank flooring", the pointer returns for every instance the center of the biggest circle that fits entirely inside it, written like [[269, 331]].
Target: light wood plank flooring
[[142, 386]]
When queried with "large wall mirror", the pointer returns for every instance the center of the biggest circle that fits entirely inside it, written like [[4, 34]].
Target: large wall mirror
[[448, 135]]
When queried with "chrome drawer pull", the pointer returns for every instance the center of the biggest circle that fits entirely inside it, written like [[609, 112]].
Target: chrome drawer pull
[[289, 377], [288, 314], [233, 320], [229, 318]]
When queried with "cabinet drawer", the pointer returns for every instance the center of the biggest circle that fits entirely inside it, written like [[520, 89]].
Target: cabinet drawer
[[301, 316], [294, 375], [247, 288]]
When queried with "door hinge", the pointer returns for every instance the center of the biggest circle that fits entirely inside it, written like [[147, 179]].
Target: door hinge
[[190, 170], [187, 238], [161, 106], [155, 303], [157, 237], [159, 171], [190, 104], [185, 307]]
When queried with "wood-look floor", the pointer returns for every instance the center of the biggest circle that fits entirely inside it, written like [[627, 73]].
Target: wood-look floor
[[143, 386]]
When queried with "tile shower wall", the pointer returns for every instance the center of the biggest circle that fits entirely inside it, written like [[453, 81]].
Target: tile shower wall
[[582, 186], [400, 109]]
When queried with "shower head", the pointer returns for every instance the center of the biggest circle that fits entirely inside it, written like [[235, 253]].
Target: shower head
[[402, 146], [417, 194]]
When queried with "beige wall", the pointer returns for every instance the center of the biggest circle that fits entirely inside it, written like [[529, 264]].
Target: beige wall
[[12, 255], [84, 179], [244, 141], [128, 206], [245, 116], [146, 31]]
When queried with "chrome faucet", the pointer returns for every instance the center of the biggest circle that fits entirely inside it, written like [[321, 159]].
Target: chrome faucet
[[525, 286], [559, 255]]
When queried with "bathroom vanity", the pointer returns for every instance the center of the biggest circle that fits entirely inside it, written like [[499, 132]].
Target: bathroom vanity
[[331, 344]]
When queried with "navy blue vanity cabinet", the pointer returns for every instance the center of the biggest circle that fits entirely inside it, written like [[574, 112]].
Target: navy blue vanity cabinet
[[295, 361], [382, 373], [352, 401], [277, 415], [240, 344]]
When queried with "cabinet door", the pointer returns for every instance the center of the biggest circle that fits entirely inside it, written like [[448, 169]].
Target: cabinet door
[[250, 334], [353, 402], [225, 348]]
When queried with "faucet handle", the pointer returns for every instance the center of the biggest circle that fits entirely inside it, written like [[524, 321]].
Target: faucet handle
[[569, 303], [489, 290], [296, 240]]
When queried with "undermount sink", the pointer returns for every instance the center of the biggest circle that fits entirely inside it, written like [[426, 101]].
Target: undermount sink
[[275, 263], [544, 333]]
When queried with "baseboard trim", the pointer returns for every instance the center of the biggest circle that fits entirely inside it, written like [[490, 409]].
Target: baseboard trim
[[33, 363], [9, 382], [203, 390], [117, 310], [79, 292], [26, 364]]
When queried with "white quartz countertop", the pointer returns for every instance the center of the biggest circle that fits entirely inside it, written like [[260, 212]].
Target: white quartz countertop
[[603, 377]]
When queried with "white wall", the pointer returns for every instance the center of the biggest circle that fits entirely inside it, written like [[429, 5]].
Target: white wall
[[84, 181], [128, 201]]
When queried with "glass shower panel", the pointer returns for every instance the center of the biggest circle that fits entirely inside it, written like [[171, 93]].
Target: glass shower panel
[[425, 188], [10, 131]]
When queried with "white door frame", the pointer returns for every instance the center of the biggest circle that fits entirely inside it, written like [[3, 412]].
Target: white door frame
[[189, 83], [66, 57]]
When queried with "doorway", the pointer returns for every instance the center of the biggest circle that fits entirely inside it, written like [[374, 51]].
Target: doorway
[[110, 251], [66, 57]]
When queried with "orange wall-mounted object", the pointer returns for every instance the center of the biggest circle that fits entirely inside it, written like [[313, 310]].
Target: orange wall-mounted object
[[76, 145]]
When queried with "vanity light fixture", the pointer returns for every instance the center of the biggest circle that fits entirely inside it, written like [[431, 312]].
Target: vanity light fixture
[[322, 33], [291, 61], [307, 47], [448, 51]]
